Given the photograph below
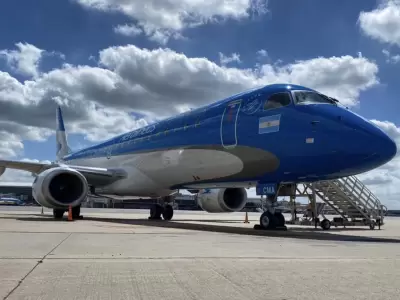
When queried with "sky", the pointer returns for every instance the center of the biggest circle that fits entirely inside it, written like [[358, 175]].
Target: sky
[[116, 65]]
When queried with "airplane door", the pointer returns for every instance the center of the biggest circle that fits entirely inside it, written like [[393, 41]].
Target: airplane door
[[109, 152], [229, 123]]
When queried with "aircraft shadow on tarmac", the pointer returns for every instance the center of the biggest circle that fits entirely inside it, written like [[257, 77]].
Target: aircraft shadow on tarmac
[[297, 233]]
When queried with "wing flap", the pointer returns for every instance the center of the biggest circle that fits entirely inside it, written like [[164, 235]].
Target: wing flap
[[94, 176]]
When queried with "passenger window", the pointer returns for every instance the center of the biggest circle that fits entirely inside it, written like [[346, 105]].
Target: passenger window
[[277, 100]]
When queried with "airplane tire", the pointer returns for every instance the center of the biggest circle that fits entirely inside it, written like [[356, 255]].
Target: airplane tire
[[76, 212], [168, 212], [325, 224], [280, 219], [372, 225], [155, 212], [58, 213], [267, 220]]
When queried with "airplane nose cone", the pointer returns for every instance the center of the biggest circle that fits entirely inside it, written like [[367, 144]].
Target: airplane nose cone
[[383, 148], [387, 148], [368, 147], [392, 149]]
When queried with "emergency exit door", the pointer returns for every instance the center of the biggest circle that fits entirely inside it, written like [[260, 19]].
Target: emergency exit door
[[229, 124]]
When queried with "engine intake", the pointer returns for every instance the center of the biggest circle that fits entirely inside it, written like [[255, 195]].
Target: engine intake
[[222, 200], [60, 187]]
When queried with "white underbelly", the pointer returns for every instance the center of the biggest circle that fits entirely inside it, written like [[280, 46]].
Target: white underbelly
[[153, 173]]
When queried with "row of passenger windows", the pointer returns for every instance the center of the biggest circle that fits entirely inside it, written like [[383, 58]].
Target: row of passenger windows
[[134, 141]]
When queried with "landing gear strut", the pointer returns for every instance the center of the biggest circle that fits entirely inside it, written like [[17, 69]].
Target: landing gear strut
[[58, 213], [166, 211], [76, 212], [156, 211]]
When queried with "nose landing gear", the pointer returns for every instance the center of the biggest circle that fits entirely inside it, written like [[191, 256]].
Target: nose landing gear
[[271, 218]]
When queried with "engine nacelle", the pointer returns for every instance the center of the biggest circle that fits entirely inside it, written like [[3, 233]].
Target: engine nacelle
[[60, 187], [222, 200]]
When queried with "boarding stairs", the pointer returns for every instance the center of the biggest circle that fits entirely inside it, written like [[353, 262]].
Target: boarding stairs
[[351, 199]]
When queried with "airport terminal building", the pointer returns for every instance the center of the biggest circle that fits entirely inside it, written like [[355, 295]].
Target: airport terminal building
[[19, 190]]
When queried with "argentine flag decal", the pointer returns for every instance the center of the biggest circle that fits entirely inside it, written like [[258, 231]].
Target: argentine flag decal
[[269, 124]]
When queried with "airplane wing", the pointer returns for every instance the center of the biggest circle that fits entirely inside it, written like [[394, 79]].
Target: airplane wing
[[94, 176]]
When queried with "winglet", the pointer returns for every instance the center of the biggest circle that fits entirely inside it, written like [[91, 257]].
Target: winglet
[[61, 136]]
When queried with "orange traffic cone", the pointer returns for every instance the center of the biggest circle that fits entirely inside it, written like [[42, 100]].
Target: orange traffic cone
[[246, 218], [70, 213]]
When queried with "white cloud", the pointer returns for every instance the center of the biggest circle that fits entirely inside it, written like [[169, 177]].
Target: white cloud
[[382, 23], [224, 60], [173, 77], [12, 134], [262, 53], [161, 20], [128, 30], [391, 59], [113, 122], [340, 77], [76, 89], [25, 60], [10, 145]]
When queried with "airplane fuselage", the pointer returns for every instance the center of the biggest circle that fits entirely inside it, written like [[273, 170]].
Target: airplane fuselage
[[278, 133]]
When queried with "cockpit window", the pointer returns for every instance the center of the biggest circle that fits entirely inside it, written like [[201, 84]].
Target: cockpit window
[[277, 100], [306, 97]]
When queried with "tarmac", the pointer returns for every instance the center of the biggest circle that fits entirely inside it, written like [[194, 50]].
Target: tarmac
[[119, 254]]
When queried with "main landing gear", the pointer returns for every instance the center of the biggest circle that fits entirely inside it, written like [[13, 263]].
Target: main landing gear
[[158, 210], [58, 213], [164, 210]]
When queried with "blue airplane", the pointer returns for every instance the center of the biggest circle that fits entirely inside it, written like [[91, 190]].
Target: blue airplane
[[265, 138]]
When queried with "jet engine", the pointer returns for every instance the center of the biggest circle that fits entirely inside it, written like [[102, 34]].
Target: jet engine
[[222, 200], [60, 187]]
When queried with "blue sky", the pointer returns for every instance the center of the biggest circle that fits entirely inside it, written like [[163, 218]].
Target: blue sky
[[291, 31]]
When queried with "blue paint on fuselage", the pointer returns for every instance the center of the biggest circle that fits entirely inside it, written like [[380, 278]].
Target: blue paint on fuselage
[[314, 141]]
